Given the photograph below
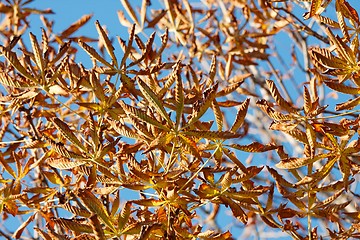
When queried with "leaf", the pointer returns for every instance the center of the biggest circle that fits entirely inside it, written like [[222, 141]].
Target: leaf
[[240, 116], [232, 87], [142, 116], [343, 50], [6, 80], [226, 180], [69, 224], [314, 8], [77, 211], [53, 177], [13, 59], [37, 53], [153, 100], [340, 17], [156, 19], [105, 39], [198, 111], [293, 163], [307, 101], [7, 167], [342, 88], [278, 98], [279, 178], [237, 211], [240, 195], [348, 105], [67, 133], [21, 228], [128, 47], [254, 147], [123, 130], [311, 137], [250, 173], [96, 226], [266, 108], [95, 206], [329, 200], [130, 11], [92, 52], [211, 134], [64, 163], [42, 234], [75, 26], [124, 216], [326, 59], [218, 115], [179, 93], [350, 12], [149, 202], [212, 72], [190, 145]]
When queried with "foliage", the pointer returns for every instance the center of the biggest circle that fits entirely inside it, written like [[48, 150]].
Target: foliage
[[180, 119]]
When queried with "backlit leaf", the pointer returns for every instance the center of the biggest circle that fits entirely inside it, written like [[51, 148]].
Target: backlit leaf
[[95, 206]]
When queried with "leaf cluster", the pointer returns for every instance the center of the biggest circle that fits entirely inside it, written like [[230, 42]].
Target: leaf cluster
[[150, 141]]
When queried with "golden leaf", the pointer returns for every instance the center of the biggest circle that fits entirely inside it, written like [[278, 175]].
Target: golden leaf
[[179, 93], [77, 211], [95, 206], [279, 99], [198, 111], [130, 11], [311, 137], [153, 100], [92, 52], [211, 134], [254, 147], [75, 26], [64, 163], [37, 53], [13, 59], [64, 129], [236, 209], [96, 226], [315, 8], [142, 116], [342, 88], [348, 105], [293, 163], [21, 228], [240, 116], [105, 39], [69, 224]]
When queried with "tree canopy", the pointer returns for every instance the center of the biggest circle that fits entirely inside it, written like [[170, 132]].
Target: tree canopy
[[204, 120]]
